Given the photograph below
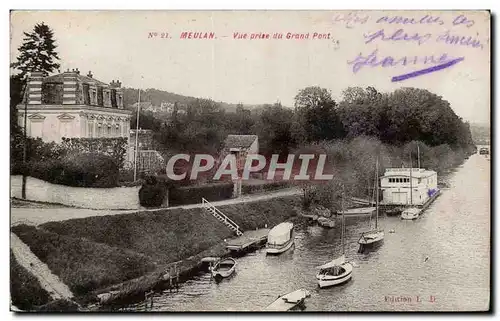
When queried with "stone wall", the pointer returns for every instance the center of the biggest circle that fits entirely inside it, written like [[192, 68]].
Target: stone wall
[[94, 198]]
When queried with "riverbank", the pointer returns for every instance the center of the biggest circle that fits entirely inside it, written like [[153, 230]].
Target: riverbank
[[130, 253]]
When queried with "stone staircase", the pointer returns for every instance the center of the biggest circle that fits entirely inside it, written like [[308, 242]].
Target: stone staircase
[[221, 217]]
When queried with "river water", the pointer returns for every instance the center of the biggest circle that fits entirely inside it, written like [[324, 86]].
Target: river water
[[444, 254]]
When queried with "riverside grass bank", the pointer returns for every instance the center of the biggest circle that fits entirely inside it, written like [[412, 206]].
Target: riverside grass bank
[[127, 255]]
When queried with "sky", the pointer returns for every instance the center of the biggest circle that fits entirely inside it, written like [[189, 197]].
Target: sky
[[116, 45]]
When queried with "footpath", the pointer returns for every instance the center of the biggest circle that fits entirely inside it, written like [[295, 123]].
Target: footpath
[[49, 281], [35, 214]]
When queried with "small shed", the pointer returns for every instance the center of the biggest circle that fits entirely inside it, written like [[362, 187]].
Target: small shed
[[241, 146]]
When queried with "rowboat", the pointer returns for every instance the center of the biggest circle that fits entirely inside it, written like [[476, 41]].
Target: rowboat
[[223, 269], [290, 302], [326, 222], [411, 213], [357, 211], [280, 238]]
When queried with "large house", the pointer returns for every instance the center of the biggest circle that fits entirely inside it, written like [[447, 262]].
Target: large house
[[72, 105], [395, 185]]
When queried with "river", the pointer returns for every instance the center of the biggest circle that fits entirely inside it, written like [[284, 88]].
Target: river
[[443, 258]]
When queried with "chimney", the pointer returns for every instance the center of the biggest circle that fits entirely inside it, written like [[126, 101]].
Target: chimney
[[90, 74], [115, 84], [35, 88], [69, 87]]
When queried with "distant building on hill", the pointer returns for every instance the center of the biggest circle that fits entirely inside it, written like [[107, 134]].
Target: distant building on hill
[[72, 105], [145, 105]]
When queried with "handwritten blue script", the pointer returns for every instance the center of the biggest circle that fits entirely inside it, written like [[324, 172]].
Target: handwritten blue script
[[427, 19], [373, 60], [467, 41], [427, 70], [398, 35], [351, 19]]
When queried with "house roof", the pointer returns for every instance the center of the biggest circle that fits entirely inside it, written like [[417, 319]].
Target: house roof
[[84, 79], [239, 141]]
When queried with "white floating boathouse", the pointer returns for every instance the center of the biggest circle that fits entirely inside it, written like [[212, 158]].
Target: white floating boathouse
[[397, 189]]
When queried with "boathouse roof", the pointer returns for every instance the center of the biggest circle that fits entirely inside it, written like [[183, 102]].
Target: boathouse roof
[[405, 172], [239, 141]]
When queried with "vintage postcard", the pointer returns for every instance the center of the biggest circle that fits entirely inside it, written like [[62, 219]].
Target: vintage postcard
[[184, 161]]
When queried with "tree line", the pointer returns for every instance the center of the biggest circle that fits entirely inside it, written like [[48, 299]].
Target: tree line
[[394, 118]]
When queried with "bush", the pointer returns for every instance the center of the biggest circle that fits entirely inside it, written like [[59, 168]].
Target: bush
[[80, 170], [114, 147], [257, 188], [152, 195], [193, 194], [25, 290]]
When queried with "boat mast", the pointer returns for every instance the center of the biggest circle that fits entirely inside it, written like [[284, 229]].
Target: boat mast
[[343, 223], [418, 153], [376, 195], [411, 182]]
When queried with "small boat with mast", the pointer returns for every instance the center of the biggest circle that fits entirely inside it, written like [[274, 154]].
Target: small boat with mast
[[412, 212], [338, 270], [375, 236]]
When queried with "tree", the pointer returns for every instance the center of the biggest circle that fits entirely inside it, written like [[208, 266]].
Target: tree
[[316, 111], [363, 111], [37, 53], [274, 128]]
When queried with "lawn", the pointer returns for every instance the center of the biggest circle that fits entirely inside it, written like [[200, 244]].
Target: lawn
[[96, 252]]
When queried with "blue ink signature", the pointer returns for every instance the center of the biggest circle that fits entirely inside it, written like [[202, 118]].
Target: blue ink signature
[[389, 61], [439, 62], [398, 35], [427, 70]]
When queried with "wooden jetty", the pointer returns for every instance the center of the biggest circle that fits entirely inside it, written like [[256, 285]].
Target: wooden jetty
[[429, 201], [249, 240]]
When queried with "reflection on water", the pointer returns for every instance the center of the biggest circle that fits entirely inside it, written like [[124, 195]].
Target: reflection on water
[[444, 254]]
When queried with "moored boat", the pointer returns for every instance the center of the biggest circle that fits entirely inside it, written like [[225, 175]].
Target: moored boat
[[411, 213], [326, 222], [370, 238], [359, 211], [338, 270], [223, 269], [290, 302], [375, 236], [280, 238], [393, 211], [335, 272]]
